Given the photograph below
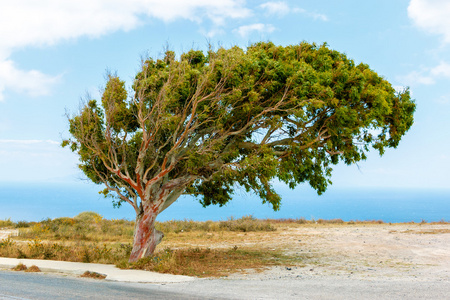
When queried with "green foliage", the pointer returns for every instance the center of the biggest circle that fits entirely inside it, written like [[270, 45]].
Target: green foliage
[[205, 124], [79, 252], [244, 224], [87, 226], [6, 223]]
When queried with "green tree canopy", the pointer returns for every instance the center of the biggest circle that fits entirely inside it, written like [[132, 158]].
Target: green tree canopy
[[209, 122]]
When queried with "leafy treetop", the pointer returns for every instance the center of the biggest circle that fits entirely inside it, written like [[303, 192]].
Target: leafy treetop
[[207, 122]]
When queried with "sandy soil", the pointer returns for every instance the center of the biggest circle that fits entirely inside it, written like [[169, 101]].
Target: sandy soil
[[376, 251], [399, 251], [5, 233]]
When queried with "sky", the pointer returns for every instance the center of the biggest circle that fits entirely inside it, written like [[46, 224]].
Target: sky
[[53, 53]]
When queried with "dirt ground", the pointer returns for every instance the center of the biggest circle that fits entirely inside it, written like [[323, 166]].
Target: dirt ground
[[416, 251], [400, 251], [372, 251], [5, 233]]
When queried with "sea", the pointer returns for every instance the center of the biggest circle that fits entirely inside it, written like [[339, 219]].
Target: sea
[[39, 201]]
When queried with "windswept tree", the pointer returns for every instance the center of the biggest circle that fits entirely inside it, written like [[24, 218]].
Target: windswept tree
[[204, 124]]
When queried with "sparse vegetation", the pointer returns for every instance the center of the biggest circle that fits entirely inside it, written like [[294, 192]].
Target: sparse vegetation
[[33, 268], [201, 249], [6, 223], [94, 275], [20, 267], [207, 262]]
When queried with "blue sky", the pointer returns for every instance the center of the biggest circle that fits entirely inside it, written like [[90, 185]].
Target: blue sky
[[53, 52]]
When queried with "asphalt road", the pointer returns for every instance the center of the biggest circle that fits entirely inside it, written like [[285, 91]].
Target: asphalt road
[[21, 286]]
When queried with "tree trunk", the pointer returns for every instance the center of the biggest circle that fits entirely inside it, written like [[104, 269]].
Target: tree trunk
[[146, 237]]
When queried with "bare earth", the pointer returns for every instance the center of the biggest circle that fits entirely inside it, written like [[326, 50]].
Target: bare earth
[[416, 251], [5, 233], [379, 261], [419, 252]]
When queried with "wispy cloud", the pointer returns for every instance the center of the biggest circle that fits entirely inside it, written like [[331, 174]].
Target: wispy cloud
[[31, 82], [426, 76], [441, 70], [35, 160], [25, 23], [314, 15], [276, 8], [29, 142], [432, 16], [416, 78], [246, 30], [281, 8]]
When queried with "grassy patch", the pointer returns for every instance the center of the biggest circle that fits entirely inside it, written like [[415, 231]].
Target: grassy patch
[[189, 248], [92, 227], [206, 262], [244, 224], [68, 251], [87, 226], [6, 223]]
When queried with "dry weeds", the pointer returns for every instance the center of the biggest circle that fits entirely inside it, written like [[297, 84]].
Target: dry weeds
[[230, 248], [93, 275], [20, 267], [33, 268]]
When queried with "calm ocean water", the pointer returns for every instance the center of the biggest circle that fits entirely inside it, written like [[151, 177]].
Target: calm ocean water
[[34, 202]]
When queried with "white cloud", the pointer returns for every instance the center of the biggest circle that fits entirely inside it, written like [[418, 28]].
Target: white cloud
[[426, 76], [444, 99], [416, 78], [431, 16], [441, 70], [317, 16], [281, 9], [32, 82], [36, 160], [276, 8], [246, 30], [45, 22], [25, 23]]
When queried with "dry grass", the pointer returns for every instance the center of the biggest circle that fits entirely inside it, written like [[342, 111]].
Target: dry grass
[[6, 223], [428, 231], [67, 251], [207, 262], [87, 226], [201, 249], [33, 268], [93, 275], [20, 267]]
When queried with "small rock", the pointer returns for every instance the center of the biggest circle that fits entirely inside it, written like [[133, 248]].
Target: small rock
[[287, 268]]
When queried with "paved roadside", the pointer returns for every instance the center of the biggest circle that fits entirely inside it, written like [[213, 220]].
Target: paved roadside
[[110, 271]]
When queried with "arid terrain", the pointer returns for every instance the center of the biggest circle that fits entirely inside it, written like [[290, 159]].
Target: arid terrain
[[5, 233], [419, 251], [397, 251]]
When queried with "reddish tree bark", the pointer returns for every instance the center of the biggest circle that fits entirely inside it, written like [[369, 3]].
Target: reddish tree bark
[[146, 236]]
